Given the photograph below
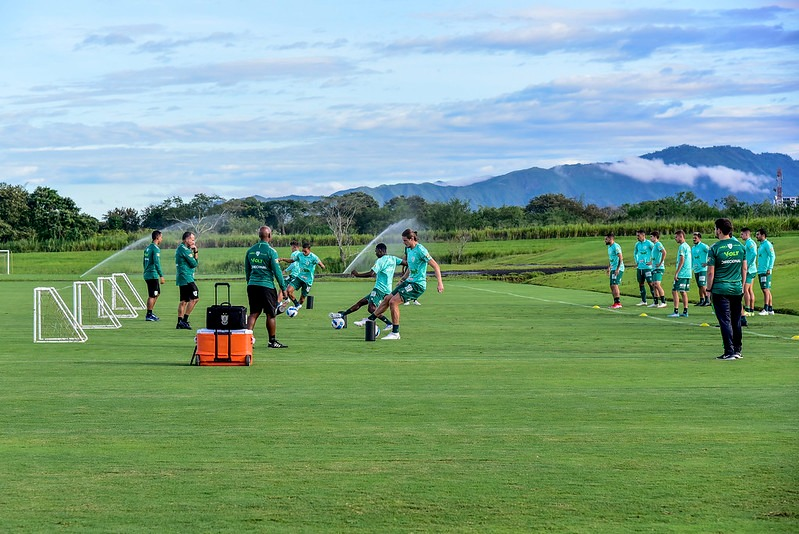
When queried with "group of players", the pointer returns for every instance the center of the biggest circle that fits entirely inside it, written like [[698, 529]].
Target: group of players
[[270, 289], [723, 272]]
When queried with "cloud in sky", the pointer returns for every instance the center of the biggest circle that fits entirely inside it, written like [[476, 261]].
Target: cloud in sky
[[127, 103]]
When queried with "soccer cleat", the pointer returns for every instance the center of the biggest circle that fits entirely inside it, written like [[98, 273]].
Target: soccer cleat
[[151, 317], [408, 303], [662, 305], [392, 335], [417, 303], [334, 315], [728, 357], [299, 306], [771, 312], [277, 345], [763, 312], [673, 315], [283, 305], [684, 314], [642, 303], [362, 322], [182, 325], [653, 305], [615, 306]]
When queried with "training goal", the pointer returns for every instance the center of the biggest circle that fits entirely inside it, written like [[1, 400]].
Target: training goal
[[118, 300], [90, 309], [53, 322], [5, 262]]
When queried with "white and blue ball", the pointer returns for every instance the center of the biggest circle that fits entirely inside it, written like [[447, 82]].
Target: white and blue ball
[[292, 311], [338, 323]]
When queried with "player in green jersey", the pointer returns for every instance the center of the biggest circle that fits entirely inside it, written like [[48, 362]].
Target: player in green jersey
[[261, 270], [383, 273], [153, 275], [303, 275], [658, 268], [185, 264], [642, 254], [682, 275], [726, 272], [615, 269], [412, 287], [765, 265], [751, 272], [699, 265]]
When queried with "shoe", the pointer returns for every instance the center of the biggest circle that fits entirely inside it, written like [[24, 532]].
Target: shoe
[[407, 303], [771, 312], [299, 307], [362, 322], [152, 317], [763, 312], [182, 325], [615, 306], [392, 335], [642, 303], [673, 315], [662, 305], [282, 306], [277, 345], [684, 314], [732, 356], [653, 305], [417, 303], [334, 315]]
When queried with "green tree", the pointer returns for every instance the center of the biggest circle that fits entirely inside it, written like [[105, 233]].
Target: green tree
[[340, 212], [55, 217], [14, 220], [126, 219], [453, 215]]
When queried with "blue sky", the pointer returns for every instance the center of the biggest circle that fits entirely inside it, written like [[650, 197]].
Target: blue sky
[[124, 104]]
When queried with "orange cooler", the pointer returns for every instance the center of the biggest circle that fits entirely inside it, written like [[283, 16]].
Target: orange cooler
[[223, 347]]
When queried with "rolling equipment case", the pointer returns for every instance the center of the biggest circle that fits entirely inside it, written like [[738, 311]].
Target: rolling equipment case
[[225, 340]]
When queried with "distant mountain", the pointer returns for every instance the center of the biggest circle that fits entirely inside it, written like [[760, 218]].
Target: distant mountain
[[710, 173]]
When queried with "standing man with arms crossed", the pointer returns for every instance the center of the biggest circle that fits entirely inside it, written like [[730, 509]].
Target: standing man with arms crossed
[[185, 264], [751, 270], [699, 265], [413, 286], [261, 269], [682, 275], [642, 254], [726, 272], [153, 275], [615, 269], [658, 268], [765, 264]]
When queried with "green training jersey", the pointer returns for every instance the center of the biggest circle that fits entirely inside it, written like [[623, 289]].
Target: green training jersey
[[751, 256], [384, 269], [185, 264], [614, 257], [726, 257], [306, 266], [152, 262], [658, 251], [684, 251], [261, 267], [699, 257], [291, 270], [765, 257], [642, 254], [417, 264]]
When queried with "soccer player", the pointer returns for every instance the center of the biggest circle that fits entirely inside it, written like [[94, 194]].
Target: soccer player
[[642, 254], [383, 273], [615, 269], [682, 275], [699, 265], [765, 264], [658, 268], [303, 273], [726, 272], [288, 272], [418, 258], [153, 275], [185, 265], [751, 271], [261, 270]]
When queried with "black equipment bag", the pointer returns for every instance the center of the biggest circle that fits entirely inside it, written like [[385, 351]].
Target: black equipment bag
[[224, 316]]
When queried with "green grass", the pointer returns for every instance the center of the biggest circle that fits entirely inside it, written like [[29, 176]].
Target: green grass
[[503, 408]]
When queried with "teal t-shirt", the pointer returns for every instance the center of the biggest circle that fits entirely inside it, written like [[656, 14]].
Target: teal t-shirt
[[643, 254], [684, 251], [726, 256], [751, 256], [306, 266], [699, 257], [152, 262], [417, 258], [291, 270], [261, 267], [384, 269], [614, 253], [185, 264], [657, 255], [765, 257]]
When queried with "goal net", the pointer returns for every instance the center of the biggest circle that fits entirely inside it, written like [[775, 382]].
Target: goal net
[[90, 309], [118, 302], [127, 287], [5, 262], [53, 322]]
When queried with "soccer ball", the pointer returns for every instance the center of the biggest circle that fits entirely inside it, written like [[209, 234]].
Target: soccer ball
[[292, 311], [338, 323]]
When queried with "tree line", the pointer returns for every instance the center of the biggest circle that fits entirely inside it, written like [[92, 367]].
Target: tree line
[[45, 216]]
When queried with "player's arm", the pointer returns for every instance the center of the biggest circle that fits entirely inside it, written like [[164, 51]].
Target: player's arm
[[679, 266], [370, 274], [620, 262], [437, 269]]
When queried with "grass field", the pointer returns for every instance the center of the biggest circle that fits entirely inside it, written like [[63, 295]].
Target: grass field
[[504, 407]]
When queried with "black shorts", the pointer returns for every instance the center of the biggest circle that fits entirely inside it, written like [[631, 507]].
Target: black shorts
[[153, 287], [262, 299], [189, 292]]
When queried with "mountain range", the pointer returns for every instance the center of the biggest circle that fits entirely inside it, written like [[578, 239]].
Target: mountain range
[[711, 173]]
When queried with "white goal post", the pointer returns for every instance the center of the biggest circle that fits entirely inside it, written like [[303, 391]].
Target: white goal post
[[5, 261], [131, 293], [111, 293], [90, 309], [53, 321]]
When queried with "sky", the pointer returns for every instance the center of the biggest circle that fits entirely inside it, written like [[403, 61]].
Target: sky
[[124, 104]]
